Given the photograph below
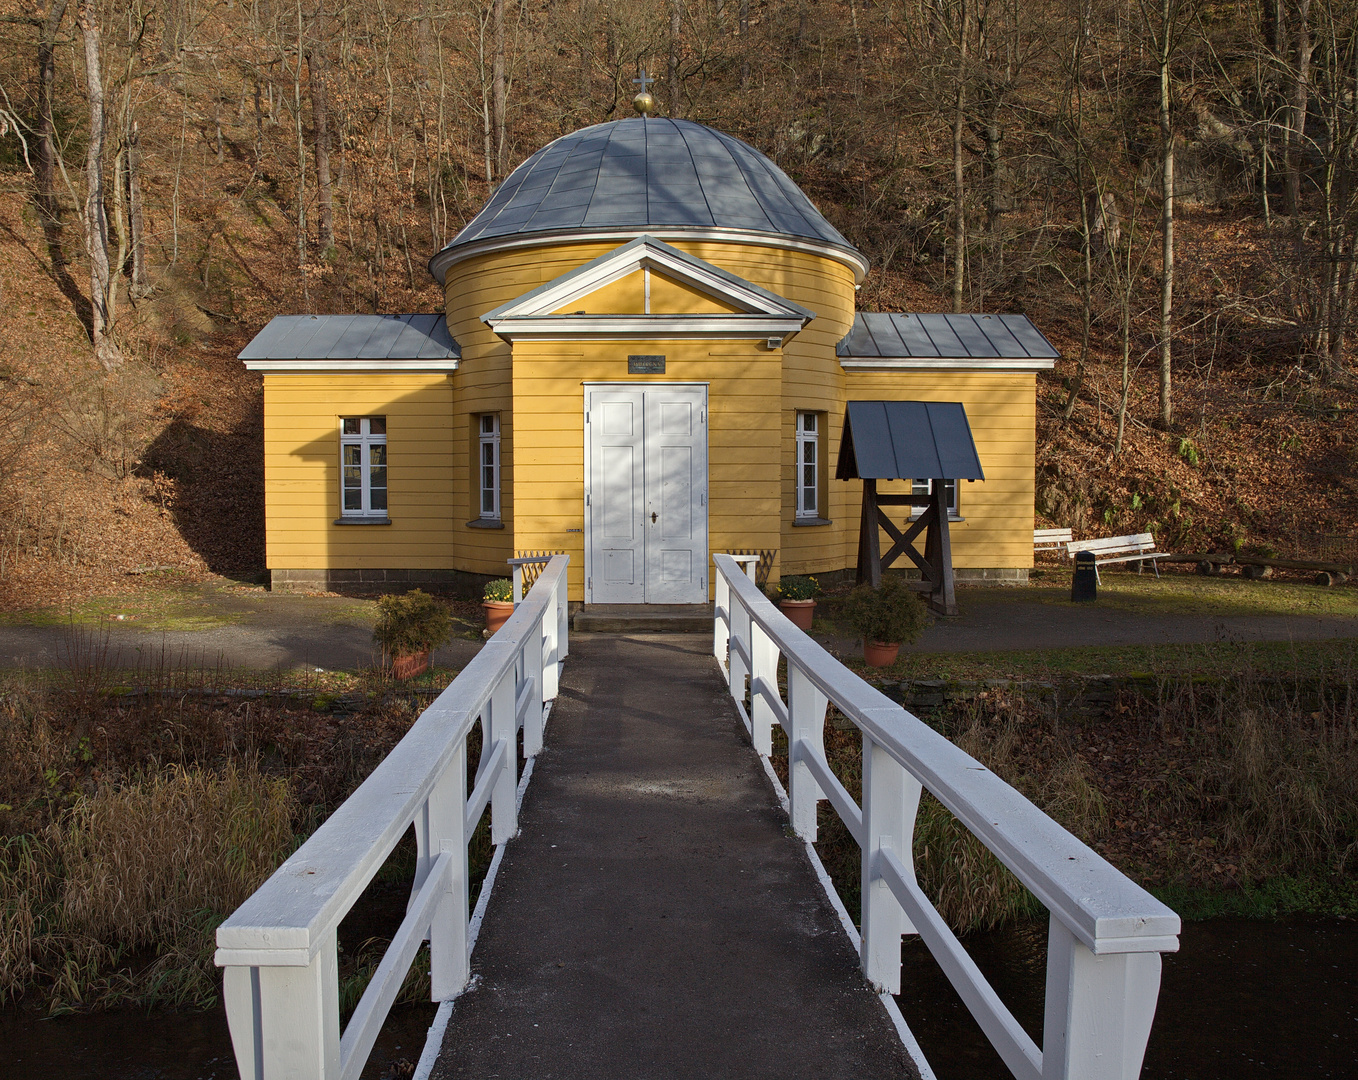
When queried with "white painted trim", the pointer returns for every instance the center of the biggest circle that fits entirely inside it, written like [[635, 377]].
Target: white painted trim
[[999, 364], [440, 264], [322, 365], [644, 327]]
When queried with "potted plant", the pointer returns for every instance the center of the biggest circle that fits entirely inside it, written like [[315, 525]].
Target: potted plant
[[887, 617], [498, 602], [796, 599], [409, 627]]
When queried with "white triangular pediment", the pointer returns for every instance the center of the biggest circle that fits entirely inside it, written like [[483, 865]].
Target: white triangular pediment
[[750, 311]]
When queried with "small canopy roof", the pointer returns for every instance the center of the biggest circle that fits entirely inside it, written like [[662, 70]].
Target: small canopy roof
[[903, 440]]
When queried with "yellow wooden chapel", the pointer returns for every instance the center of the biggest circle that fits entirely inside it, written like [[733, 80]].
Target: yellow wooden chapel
[[648, 341]]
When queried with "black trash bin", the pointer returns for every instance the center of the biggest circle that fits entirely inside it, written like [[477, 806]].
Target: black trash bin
[[1084, 585]]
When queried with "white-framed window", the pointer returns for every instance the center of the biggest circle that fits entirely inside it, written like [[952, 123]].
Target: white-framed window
[[808, 465], [488, 465], [924, 487], [363, 466]]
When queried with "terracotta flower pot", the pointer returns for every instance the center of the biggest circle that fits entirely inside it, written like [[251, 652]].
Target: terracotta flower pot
[[880, 653], [409, 665], [497, 613], [799, 611]]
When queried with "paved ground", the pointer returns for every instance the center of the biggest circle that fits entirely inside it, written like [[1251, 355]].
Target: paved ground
[[267, 631], [255, 629], [654, 918]]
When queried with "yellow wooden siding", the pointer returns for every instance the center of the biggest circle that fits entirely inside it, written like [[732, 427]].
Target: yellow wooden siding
[[301, 470]]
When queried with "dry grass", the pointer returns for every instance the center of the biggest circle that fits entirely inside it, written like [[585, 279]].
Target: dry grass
[[146, 869], [1276, 775], [133, 824], [1226, 785]]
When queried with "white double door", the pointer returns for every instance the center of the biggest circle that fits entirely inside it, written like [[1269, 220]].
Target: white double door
[[646, 494]]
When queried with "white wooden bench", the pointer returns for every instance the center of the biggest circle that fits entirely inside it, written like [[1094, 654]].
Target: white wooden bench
[[1139, 549], [1051, 540]]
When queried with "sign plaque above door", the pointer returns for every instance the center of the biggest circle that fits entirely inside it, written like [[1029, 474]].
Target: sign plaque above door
[[645, 365]]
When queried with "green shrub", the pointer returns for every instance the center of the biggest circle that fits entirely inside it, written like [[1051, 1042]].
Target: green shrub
[[412, 623], [798, 587], [891, 613], [501, 589]]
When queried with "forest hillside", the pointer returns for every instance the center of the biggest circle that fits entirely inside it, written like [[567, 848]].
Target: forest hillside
[[1166, 188]]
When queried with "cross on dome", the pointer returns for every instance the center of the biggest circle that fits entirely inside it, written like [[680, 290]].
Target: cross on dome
[[644, 102]]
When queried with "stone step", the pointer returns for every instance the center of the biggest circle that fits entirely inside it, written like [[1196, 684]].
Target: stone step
[[642, 618]]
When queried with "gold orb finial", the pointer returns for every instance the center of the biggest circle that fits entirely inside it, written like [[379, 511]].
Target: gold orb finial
[[644, 102]]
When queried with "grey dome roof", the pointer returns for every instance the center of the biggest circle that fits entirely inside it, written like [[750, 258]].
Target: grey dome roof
[[639, 174]]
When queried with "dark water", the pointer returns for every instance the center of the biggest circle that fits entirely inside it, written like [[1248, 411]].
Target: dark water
[[134, 1046], [1241, 1000]]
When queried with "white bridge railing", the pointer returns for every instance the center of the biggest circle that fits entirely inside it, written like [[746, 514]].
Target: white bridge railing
[[1106, 933], [279, 947]]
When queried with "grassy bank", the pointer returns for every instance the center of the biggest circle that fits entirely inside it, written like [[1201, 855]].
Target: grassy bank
[[134, 818], [1227, 795]]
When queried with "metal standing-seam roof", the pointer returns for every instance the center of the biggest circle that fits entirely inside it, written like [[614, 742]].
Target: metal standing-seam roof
[[642, 173], [1005, 340], [407, 342], [901, 440]]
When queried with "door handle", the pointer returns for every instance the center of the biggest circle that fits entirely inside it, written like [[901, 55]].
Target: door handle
[[652, 517]]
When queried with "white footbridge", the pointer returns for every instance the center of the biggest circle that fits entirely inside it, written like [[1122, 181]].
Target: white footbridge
[[279, 949]]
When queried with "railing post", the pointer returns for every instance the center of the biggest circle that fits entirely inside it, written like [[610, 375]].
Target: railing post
[[444, 814], [1099, 1009], [736, 669], [721, 604], [284, 1021], [533, 648], [763, 668], [806, 711], [550, 637], [563, 618], [890, 800], [518, 585], [504, 821]]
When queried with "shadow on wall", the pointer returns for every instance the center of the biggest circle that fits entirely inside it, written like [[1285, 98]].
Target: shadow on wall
[[212, 483], [412, 540]]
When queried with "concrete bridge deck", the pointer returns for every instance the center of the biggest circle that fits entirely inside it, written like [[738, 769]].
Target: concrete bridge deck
[[656, 917]]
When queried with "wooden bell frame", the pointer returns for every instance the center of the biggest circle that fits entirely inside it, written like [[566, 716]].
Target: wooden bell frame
[[935, 565]]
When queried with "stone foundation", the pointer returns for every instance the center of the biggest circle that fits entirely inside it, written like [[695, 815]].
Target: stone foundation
[[458, 583]]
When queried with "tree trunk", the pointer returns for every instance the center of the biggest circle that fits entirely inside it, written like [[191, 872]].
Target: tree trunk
[[959, 262], [95, 216], [136, 217], [320, 113], [499, 88], [423, 47], [1166, 224], [1294, 134], [172, 30], [744, 44], [676, 27], [47, 146]]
